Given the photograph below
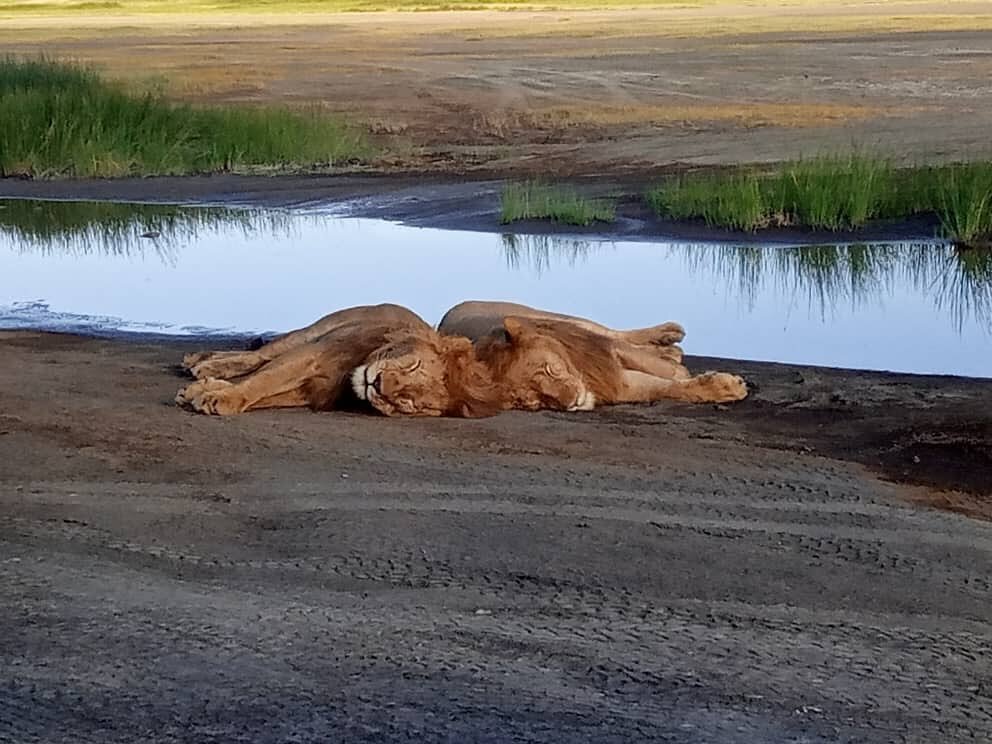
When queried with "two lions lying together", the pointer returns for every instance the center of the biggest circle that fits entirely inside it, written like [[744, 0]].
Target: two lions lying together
[[483, 358]]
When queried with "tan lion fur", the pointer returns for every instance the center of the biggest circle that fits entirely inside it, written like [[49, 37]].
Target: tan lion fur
[[418, 372], [549, 360], [390, 358]]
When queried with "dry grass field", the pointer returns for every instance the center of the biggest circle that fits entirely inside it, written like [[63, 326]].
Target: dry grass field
[[575, 90]]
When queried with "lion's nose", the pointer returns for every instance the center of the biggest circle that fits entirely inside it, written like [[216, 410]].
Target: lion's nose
[[377, 383]]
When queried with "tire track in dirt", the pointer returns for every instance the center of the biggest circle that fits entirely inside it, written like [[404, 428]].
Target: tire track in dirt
[[606, 642], [526, 578]]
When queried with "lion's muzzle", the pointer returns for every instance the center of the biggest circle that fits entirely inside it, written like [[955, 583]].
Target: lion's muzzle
[[585, 402], [359, 382]]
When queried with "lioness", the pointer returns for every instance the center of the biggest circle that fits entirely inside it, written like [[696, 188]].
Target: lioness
[[386, 354], [545, 360]]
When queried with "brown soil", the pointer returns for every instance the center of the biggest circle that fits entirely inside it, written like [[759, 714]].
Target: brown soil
[[810, 565], [580, 91], [655, 573]]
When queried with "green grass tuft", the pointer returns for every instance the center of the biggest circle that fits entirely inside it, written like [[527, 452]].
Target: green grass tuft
[[835, 193], [962, 197], [61, 120], [534, 200], [733, 201], [831, 192]]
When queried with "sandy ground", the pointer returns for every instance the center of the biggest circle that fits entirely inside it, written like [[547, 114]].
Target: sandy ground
[[579, 92], [660, 573]]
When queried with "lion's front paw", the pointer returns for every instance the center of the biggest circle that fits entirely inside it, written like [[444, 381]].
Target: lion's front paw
[[725, 387], [227, 366], [195, 357], [212, 397]]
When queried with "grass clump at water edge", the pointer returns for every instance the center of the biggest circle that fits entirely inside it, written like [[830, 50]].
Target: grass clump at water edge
[[963, 201], [536, 200], [835, 193], [831, 193], [58, 119]]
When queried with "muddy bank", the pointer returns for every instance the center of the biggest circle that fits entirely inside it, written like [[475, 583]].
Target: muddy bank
[[922, 430], [656, 573], [443, 202]]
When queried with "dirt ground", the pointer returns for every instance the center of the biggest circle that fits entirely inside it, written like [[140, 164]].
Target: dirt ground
[[811, 565], [748, 573], [579, 92]]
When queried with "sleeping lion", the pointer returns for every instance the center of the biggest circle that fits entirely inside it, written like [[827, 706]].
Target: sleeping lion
[[545, 360], [386, 355], [484, 357]]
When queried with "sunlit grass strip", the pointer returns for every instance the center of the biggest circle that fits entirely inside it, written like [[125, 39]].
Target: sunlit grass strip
[[533, 200], [134, 7], [835, 193], [59, 120]]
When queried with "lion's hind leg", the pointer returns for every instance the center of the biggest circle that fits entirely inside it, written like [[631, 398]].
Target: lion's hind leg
[[659, 361], [664, 334], [710, 387], [669, 352], [714, 387]]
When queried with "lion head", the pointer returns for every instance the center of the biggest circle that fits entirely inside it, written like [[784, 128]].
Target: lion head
[[420, 373], [535, 367]]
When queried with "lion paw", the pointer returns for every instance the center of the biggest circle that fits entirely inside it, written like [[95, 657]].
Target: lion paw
[[724, 387], [209, 396], [226, 366], [665, 334], [669, 333], [195, 357]]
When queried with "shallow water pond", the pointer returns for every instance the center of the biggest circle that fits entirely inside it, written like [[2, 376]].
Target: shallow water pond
[[100, 268]]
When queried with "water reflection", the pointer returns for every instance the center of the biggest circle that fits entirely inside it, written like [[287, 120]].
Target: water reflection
[[84, 227], [540, 252], [958, 280], [84, 266]]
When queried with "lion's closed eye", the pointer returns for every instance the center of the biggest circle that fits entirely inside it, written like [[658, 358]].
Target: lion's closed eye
[[414, 367], [554, 370]]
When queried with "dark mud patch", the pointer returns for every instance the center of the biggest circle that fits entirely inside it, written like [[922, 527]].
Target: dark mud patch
[[444, 202], [920, 430], [929, 431], [945, 455]]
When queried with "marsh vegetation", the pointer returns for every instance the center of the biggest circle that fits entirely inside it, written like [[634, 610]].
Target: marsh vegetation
[[63, 120], [835, 192], [535, 200]]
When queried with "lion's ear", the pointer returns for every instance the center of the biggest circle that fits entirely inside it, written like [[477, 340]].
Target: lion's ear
[[515, 328], [456, 345]]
